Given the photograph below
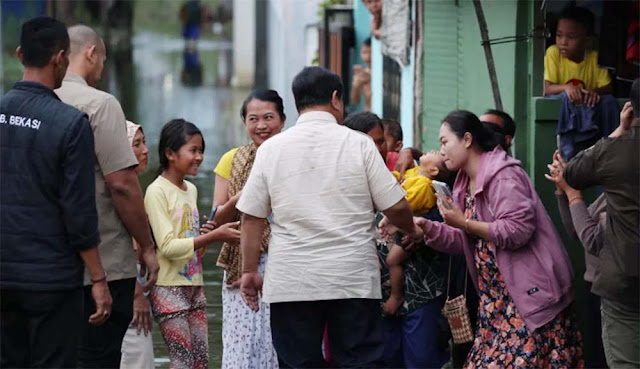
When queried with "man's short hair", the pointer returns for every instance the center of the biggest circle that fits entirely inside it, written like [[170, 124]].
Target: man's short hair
[[508, 125], [314, 86], [40, 39], [393, 127], [580, 15], [367, 41], [634, 96], [362, 121]]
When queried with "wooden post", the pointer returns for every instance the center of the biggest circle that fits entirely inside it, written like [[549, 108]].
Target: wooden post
[[484, 33]]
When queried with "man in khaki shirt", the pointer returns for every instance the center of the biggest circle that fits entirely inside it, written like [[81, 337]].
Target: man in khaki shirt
[[119, 202]]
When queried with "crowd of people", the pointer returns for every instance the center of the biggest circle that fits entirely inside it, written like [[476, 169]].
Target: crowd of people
[[340, 246]]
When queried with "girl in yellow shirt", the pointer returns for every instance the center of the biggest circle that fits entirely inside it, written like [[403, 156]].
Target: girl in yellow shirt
[[177, 300]]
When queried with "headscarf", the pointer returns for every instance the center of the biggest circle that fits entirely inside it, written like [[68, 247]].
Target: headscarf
[[132, 129]]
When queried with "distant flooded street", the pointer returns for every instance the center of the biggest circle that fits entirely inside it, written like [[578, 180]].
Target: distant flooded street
[[171, 82]]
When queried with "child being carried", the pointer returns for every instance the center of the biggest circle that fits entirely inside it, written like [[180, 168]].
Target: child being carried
[[422, 198]]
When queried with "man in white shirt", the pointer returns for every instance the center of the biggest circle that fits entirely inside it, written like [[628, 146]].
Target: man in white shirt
[[322, 183]]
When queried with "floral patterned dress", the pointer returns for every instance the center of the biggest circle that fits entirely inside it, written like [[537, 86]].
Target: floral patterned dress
[[502, 338]]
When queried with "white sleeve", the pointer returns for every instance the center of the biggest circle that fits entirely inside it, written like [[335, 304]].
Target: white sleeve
[[385, 189]]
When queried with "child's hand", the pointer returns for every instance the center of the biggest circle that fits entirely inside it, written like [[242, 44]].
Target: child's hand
[[386, 228], [392, 305], [591, 98], [209, 226], [228, 233], [574, 93]]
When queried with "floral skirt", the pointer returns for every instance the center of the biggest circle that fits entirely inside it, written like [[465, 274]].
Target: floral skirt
[[246, 334]]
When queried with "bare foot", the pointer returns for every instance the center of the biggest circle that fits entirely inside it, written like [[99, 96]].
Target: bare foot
[[392, 305]]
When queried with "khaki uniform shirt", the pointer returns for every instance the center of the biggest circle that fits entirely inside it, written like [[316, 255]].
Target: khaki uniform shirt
[[113, 153]]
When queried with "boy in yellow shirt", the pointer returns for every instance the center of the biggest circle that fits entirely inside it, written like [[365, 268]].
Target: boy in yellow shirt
[[571, 71]]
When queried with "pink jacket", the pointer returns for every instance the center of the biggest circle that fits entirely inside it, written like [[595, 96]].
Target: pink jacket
[[531, 258]]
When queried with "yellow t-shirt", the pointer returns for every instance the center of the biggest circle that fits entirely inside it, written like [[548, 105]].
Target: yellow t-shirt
[[173, 216], [420, 194], [223, 169], [586, 74]]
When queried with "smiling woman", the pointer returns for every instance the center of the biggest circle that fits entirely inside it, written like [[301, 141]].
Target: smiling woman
[[246, 335]]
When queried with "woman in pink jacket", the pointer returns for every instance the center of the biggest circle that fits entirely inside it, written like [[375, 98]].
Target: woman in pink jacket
[[517, 261]]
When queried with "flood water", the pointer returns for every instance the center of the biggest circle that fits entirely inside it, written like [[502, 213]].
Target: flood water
[[167, 83]]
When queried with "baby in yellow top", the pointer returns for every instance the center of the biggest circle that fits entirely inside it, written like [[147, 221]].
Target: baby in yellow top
[[422, 198]]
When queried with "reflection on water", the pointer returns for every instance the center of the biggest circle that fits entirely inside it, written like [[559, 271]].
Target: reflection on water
[[168, 81], [192, 69]]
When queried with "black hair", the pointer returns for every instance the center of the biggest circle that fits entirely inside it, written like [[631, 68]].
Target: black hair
[[40, 39], [362, 121], [393, 127], [314, 86], [508, 125], [634, 96], [580, 15], [462, 121], [173, 136], [498, 133], [445, 175], [267, 96], [367, 41]]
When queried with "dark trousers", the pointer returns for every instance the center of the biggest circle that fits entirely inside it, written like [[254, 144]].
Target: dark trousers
[[354, 327], [101, 345], [40, 329], [593, 348], [411, 341]]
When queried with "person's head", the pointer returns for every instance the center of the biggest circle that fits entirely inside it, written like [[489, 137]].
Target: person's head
[[365, 51], [316, 88], [88, 53], [44, 45], [139, 144], [575, 27], [432, 165], [368, 123], [263, 115], [392, 135], [634, 96], [498, 133], [373, 6], [181, 147], [462, 136], [507, 126]]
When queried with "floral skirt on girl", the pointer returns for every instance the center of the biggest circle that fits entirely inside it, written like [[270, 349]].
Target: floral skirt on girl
[[502, 338]]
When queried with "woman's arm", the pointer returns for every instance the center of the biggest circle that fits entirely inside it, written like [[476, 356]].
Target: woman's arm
[[220, 191], [512, 206], [565, 214], [227, 212], [588, 226], [442, 237]]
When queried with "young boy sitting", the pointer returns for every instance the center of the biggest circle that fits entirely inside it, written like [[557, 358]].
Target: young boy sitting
[[571, 71], [421, 198], [393, 138]]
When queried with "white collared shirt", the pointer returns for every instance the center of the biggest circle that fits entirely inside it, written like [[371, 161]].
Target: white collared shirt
[[322, 182]]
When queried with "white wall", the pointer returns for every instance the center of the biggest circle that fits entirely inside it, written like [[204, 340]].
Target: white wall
[[244, 42], [287, 27]]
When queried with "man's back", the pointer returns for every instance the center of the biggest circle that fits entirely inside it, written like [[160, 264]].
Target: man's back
[[324, 182], [613, 163], [112, 153], [44, 152]]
